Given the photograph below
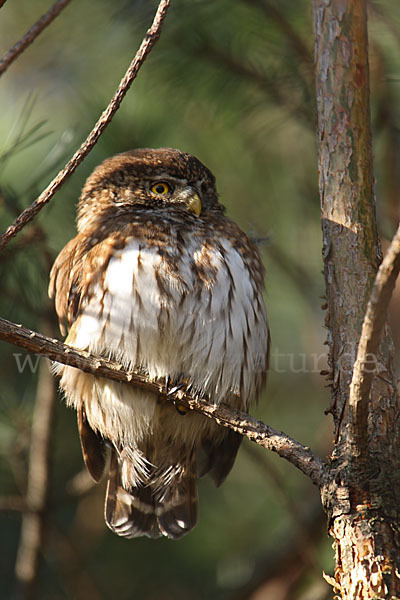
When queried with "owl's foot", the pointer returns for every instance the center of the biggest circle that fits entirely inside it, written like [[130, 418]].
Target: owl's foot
[[171, 387]]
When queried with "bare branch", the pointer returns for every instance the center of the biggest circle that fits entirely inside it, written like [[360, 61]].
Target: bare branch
[[374, 320], [32, 34], [256, 431], [147, 44]]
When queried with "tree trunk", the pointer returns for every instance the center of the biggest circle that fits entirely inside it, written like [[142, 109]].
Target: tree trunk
[[362, 493]]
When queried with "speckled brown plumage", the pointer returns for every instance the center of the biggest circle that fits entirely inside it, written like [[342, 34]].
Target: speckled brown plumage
[[161, 280]]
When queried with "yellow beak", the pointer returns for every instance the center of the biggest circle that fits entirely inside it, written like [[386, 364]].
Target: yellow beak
[[194, 204], [191, 199]]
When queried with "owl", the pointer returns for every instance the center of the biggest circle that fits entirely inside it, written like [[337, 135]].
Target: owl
[[160, 280]]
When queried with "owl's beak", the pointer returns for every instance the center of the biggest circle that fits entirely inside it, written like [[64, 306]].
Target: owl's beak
[[191, 199], [194, 204]]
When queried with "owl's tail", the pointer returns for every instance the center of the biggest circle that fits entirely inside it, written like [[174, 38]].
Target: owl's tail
[[161, 507]]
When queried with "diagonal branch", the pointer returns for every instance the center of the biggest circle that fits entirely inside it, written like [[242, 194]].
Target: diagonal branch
[[31, 34], [67, 552], [147, 44], [256, 431], [365, 365]]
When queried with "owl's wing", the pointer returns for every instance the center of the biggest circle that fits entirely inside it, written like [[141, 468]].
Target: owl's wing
[[93, 447], [69, 283], [77, 270], [217, 459], [65, 277]]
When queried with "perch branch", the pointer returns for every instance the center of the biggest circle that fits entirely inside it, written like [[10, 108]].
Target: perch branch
[[31, 34], [147, 44], [256, 431], [374, 320]]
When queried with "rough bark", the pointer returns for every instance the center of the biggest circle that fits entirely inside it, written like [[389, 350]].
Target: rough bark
[[361, 495]]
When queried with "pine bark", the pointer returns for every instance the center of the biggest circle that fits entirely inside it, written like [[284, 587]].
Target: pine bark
[[362, 492]]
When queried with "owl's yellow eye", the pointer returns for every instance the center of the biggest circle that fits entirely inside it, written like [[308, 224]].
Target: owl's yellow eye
[[161, 188]]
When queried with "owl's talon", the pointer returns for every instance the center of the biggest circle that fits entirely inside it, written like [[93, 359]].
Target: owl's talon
[[180, 408], [176, 388]]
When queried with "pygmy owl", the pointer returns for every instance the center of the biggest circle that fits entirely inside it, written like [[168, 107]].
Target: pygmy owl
[[160, 280]]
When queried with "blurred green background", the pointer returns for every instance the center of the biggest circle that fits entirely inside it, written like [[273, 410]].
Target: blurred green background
[[232, 83]]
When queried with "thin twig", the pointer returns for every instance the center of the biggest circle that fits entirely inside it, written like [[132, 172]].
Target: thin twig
[[31, 34], [33, 522], [281, 97], [78, 581], [80, 484], [365, 365], [147, 44], [294, 269], [256, 431], [274, 14]]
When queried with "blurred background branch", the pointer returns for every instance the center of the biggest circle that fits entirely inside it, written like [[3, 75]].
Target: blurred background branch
[[35, 516], [32, 34]]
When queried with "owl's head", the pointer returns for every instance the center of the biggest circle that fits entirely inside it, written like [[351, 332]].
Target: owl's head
[[162, 179]]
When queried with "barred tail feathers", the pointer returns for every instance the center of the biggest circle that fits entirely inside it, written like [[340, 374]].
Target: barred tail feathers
[[129, 513], [164, 505]]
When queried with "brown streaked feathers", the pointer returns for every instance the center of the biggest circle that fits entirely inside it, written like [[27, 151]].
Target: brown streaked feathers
[[153, 284]]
